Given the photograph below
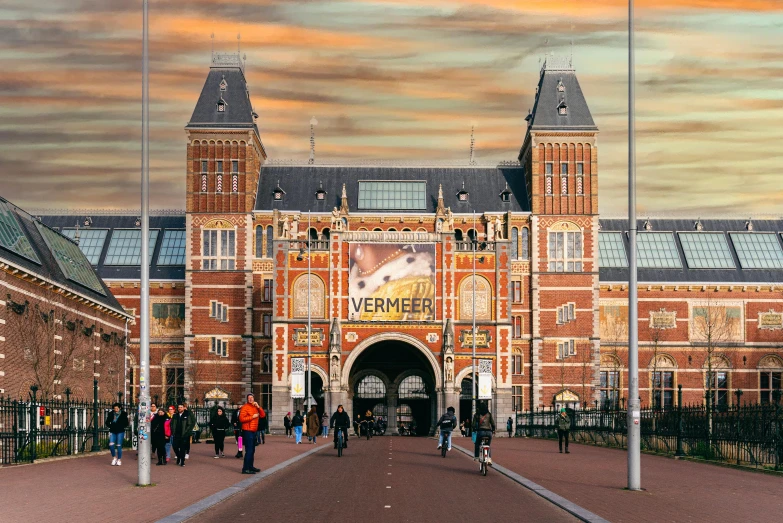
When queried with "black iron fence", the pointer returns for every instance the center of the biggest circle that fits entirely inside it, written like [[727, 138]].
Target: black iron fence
[[34, 428], [750, 435]]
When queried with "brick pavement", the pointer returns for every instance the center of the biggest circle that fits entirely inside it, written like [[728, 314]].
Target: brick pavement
[[90, 489], [674, 490]]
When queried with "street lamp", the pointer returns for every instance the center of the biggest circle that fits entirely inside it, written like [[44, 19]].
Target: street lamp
[[473, 286], [299, 257]]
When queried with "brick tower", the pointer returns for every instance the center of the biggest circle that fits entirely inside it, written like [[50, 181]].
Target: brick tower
[[224, 158], [560, 164]]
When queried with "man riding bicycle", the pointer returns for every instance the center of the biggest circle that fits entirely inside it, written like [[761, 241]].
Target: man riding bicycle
[[369, 421], [484, 427], [340, 420], [447, 423]]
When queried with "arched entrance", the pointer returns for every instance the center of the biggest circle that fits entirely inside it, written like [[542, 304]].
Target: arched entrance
[[394, 379], [318, 395]]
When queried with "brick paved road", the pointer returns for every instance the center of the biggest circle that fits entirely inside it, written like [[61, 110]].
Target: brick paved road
[[386, 479], [89, 489], [675, 490]]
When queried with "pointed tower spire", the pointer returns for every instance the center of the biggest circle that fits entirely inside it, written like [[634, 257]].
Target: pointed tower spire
[[472, 143], [313, 123], [344, 201], [441, 208]]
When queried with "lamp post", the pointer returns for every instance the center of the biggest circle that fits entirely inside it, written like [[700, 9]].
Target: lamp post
[[473, 359], [309, 318], [634, 414]]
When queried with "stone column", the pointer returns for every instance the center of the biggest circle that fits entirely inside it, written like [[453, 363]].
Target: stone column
[[391, 407]]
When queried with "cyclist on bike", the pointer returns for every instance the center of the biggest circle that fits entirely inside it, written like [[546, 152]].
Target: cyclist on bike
[[369, 420], [447, 423], [340, 420], [483, 426]]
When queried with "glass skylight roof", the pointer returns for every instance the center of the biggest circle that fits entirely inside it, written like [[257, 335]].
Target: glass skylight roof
[[172, 250], [90, 242], [611, 251], [657, 250], [125, 247], [70, 259], [705, 250], [11, 235], [757, 250], [399, 196]]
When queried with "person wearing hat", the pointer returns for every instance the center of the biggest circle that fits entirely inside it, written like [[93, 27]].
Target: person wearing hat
[[447, 423], [563, 428]]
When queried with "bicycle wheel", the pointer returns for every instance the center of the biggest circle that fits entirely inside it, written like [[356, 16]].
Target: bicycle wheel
[[340, 445], [444, 448], [483, 468]]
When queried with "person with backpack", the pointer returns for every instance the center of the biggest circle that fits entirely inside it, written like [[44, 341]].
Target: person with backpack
[[287, 425], [219, 425], [563, 429], [117, 421], [447, 423], [509, 426], [297, 423], [158, 435], [483, 427]]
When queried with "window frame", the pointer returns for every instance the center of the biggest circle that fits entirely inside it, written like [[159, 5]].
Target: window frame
[[516, 291], [561, 259], [517, 398], [218, 258], [266, 325], [517, 363], [268, 293], [566, 349]]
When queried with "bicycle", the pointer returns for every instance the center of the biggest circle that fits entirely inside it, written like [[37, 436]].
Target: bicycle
[[484, 456], [444, 447], [340, 441]]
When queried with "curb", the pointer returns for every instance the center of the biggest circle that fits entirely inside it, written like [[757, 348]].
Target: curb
[[213, 499], [572, 508]]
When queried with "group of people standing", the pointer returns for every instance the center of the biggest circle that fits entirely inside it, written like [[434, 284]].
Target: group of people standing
[[309, 425], [171, 429]]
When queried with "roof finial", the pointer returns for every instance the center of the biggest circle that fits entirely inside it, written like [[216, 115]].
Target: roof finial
[[313, 123], [77, 236], [749, 224], [239, 38], [472, 143], [212, 37]]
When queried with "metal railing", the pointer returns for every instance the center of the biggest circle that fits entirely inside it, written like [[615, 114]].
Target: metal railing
[[481, 246], [749, 435]]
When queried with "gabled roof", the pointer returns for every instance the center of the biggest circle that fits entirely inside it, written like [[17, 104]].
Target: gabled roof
[[301, 182], [47, 254], [112, 223], [238, 113], [545, 114]]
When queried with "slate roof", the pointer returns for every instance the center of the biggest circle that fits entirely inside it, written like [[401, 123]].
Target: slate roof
[[48, 268], [545, 114], [483, 184], [114, 222], [687, 274], [238, 113]]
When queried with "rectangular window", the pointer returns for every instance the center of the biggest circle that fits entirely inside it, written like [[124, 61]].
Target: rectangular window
[[717, 385], [234, 166], [565, 349], [706, 250], [172, 249], [267, 325], [516, 291], [219, 167], [204, 166], [611, 250], [769, 381], [266, 397], [125, 247], [663, 389], [517, 327], [565, 251], [656, 250], [218, 250], [548, 167], [516, 398], [610, 388], [219, 347], [580, 168], [391, 195], [516, 364], [564, 169], [755, 250], [267, 290], [90, 242]]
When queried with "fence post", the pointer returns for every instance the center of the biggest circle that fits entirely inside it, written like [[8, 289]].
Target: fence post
[[776, 394], [679, 452], [68, 419], [33, 425], [96, 446]]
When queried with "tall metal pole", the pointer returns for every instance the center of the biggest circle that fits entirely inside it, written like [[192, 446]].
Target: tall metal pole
[[144, 393], [634, 419], [475, 378], [309, 325]]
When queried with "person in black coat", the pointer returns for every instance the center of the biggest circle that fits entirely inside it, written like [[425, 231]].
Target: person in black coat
[[219, 425], [340, 420], [117, 422], [158, 435], [237, 431]]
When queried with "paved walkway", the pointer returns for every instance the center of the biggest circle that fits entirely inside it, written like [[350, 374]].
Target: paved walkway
[[89, 489], [674, 490]]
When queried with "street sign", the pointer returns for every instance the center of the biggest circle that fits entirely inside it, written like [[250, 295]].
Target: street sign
[[297, 378]]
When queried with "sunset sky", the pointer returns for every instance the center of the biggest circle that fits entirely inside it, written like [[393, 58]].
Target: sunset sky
[[395, 79]]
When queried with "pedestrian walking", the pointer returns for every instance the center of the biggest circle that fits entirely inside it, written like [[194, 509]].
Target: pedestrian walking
[[563, 429], [158, 435], [248, 417], [509, 426], [169, 414], [324, 425], [462, 429], [313, 424], [263, 423], [153, 414], [219, 425], [181, 428], [237, 432], [117, 421], [189, 437], [297, 423], [287, 425]]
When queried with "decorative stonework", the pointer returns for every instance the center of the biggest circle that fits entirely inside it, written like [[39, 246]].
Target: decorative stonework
[[663, 320], [315, 290], [351, 337], [262, 266], [770, 320], [483, 339], [299, 337], [564, 226], [520, 267], [482, 295], [432, 337]]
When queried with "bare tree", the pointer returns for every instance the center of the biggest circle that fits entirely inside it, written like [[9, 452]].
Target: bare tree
[[656, 382], [614, 335], [49, 337]]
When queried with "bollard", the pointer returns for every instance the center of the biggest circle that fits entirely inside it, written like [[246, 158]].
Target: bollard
[[33, 425], [96, 446]]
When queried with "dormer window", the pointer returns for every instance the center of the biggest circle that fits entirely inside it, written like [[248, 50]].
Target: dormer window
[[562, 109], [462, 195], [505, 196], [560, 86], [277, 193], [221, 106], [320, 194], [223, 84]]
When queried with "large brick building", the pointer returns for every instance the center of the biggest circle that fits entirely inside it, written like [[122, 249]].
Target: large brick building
[[380, 258]]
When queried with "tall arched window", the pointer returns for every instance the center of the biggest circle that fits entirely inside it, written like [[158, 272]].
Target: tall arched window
[[483, 300], [371, 387], [525, 243], [266, 360], [316, 293], [173, 367], [259, 241], [269, 239], [413, 387], [514, 243]]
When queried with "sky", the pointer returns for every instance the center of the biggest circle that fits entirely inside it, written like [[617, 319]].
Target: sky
[[395, 79]]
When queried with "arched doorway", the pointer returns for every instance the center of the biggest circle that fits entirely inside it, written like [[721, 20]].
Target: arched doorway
[[466, 398], [394, 379], [318, 395]]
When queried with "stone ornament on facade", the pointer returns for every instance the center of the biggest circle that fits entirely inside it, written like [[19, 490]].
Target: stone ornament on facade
[[771, 320], [432, 337], [483, 311], [663, 319], [351, 337], [448, 370], [337, 222], [315, 290]]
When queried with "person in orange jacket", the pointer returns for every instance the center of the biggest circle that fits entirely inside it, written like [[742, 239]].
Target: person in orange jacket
[[249, 416]]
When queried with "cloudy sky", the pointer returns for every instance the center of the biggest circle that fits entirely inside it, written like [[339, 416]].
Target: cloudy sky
[[395, 79]]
